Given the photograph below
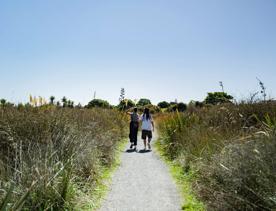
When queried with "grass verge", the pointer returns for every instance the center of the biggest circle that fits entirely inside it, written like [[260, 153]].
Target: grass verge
[[183, 181], [102, 186]]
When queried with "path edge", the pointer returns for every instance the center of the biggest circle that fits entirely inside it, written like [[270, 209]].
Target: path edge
[[101, 189], [189, 202], [108, 173]]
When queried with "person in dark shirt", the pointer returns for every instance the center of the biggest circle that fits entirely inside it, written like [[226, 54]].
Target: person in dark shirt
[[133, 128]]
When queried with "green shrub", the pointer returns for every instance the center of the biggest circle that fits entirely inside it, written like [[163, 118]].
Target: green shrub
[[143, 102], [218, 98], [181, 107], [163, 104], [126, 104], [98, 103], [153, 109]]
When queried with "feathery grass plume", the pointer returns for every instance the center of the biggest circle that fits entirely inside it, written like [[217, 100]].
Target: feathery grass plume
[[126, 102], [35, 101], [44, 101], [31, 99], [40, 101]]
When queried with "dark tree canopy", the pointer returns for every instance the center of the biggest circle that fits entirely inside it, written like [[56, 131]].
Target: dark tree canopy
[[98, 103], [143, 102], [164, 104], [217, 98], [198, 104], [181, 107], [126, 104], [3, 101], [52, 99]]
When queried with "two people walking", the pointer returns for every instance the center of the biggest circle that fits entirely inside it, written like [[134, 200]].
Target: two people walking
[[147, 128]]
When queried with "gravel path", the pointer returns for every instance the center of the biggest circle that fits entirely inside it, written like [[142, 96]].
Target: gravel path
[[142, 182]]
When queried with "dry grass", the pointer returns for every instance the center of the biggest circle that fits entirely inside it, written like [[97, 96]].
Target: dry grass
[[51, 155], [232, 150]]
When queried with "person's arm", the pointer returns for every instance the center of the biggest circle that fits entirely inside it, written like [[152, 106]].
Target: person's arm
[[128, 111], [152, 125]]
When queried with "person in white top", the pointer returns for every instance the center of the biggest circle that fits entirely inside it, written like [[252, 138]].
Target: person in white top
[[147, 127]]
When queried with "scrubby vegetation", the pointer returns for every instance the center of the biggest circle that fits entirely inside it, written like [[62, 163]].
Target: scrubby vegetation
[[215, 98], [144, 102], [230, 151], [126, 104], [51, 158], [52, 155], [98, 103]]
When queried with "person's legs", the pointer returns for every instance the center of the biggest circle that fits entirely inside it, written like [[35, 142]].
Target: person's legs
[[144, 137], [131, 134], [149, 139], [149, 146], [135, 134], [135, 142], [131, 143], [145, 144]]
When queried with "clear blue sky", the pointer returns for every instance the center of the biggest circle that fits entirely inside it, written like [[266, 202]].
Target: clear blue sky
[[158, 49]]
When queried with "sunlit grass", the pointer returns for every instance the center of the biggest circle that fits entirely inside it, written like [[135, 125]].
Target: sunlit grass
[[183, 181], [228, 149], [94, 199], [53, 156]]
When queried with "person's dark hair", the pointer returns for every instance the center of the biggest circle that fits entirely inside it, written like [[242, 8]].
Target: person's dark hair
[[147, 113], [135, 109]]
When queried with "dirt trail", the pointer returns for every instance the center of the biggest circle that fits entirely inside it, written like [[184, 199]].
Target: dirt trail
[[142, 182]]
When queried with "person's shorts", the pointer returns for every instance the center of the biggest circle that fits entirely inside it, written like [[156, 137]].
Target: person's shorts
[[146, 133]]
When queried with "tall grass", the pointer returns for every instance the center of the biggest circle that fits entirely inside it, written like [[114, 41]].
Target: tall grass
[[231, 149], [50, 156]]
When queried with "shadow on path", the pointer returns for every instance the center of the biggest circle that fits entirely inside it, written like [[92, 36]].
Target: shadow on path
[[144, 151], [140, 151], [130, 150]]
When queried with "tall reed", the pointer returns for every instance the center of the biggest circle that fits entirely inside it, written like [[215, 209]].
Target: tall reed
[[231, 148], [49, 156]]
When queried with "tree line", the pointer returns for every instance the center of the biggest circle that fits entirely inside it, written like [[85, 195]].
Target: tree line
[[213, 98]]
